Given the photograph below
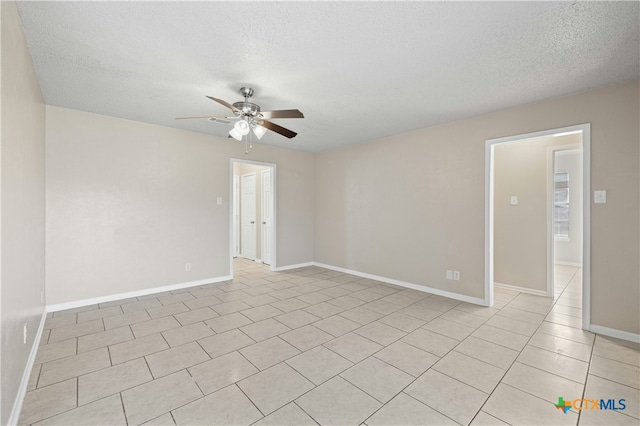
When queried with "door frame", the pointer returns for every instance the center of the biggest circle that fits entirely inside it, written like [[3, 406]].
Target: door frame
[[274, 188], [263, 244], [586, 211], [235, 216]]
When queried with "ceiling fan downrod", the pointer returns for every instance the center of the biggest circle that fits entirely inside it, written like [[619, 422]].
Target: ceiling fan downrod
[[247, 92]]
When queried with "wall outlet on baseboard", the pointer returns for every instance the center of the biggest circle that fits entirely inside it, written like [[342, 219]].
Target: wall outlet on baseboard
[[187, 266], [449, 274], [24, 334], [456, 275]]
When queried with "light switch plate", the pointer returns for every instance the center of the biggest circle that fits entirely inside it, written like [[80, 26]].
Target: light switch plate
[[219, 200], [514, 200], [600, 197]]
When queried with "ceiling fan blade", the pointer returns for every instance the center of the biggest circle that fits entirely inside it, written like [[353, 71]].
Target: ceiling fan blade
[[225, 103], [278, 129], [205, 116], [282, 113]]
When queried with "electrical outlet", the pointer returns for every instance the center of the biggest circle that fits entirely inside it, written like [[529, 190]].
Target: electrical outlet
[[449, 274], [187, 266], [456, 275], [24, 334]]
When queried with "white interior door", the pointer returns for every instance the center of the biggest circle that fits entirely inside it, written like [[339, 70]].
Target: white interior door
[[236, 216], [267, 217], [248, 216]]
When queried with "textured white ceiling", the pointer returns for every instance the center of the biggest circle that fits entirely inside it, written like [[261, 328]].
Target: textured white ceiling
[[357, 70]]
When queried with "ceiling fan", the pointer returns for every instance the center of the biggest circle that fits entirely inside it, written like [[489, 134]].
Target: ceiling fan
[[249, 118]]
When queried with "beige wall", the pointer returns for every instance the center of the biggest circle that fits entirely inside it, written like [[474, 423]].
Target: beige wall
[[242, 169], [22, 209], [411, 206], [129, 203], [520, 232]]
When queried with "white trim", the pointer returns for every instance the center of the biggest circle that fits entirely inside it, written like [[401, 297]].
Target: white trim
[[586, 211], [586, 226], [263, 209], [542, 293], [258, 260], [24, 383], [235, 215], [488, 223], [289, 267], [233, 252], [550, 195], [146, 291], [612, 332], [425, 289], [563, 263]]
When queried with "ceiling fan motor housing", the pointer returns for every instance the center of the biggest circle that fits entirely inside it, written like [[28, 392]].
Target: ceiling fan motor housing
[[247, 109]]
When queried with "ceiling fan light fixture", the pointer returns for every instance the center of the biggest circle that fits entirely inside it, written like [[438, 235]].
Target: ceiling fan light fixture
[[234, 134], [258, 130], [249, 120], [242, 127]]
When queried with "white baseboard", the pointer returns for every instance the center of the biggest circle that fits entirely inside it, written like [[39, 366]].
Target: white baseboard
[[560, 262], [22, 390], [612, 332], [288, 267], [146, 291], [258, 260], [542, 293], [425, 289]]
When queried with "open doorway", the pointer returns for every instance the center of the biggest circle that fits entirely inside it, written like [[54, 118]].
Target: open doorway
[[524, 224], [253, 211], [565, 184]]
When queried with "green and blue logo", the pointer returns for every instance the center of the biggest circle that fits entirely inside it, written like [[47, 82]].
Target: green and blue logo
[[590, 404]]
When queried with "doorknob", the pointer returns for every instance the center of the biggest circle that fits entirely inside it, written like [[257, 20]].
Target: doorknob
[[252, 222], [264, 223]]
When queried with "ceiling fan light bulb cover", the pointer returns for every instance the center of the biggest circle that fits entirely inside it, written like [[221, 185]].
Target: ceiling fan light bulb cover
[[242, 127], [235, 134], [259, 131]]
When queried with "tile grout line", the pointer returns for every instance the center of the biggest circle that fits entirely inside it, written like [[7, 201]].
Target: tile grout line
[[586, 379], [250, 400], [124, 410], [303, 410]]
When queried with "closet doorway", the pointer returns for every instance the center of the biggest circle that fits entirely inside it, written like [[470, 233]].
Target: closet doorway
[[253, 211]]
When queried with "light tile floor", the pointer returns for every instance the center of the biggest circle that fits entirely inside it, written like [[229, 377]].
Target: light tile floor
[[311, 346]]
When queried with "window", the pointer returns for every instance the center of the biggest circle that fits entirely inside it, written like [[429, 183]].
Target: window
[[561, 205]]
